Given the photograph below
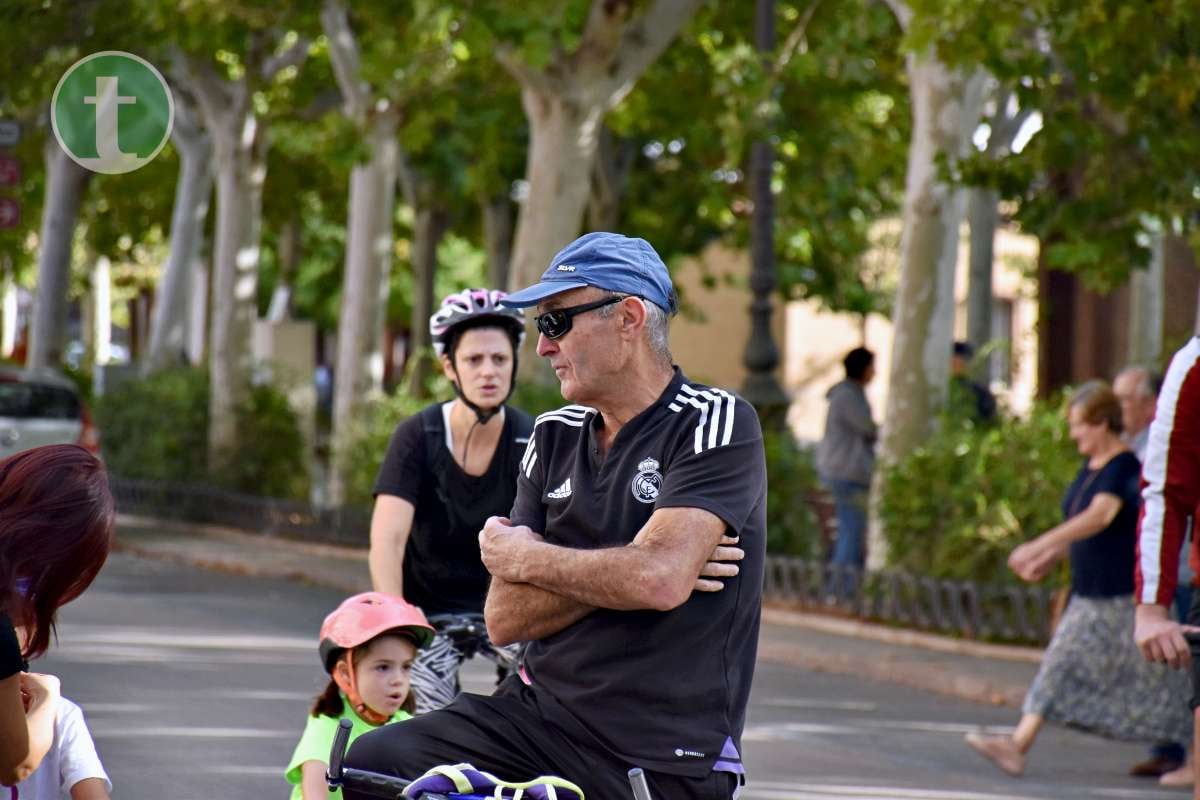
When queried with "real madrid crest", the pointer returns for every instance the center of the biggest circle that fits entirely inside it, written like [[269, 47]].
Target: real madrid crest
[[648, 481]]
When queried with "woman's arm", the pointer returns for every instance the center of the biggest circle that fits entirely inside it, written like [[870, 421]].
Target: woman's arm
[[25, 734], [391, 523], [1034, 559], [312, 780]]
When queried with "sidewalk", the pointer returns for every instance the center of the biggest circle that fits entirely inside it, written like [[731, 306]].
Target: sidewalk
[[982, 673]]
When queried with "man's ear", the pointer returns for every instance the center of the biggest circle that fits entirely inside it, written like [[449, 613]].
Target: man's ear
[[633, 315]]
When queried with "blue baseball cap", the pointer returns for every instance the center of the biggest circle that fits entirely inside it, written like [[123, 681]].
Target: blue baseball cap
[[607, 261]]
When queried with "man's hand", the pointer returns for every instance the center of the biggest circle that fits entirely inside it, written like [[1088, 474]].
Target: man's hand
[[718, 565], [1160, 638], [503, 547]]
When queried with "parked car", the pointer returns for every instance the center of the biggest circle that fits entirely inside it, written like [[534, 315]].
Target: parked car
[[42, 406]]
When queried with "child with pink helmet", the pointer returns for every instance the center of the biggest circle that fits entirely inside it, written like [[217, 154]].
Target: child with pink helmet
[[367, 645]]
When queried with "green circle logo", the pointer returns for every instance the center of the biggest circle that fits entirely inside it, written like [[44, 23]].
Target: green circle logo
[[112, 112]]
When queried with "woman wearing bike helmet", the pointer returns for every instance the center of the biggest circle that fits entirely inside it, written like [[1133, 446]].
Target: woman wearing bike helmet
[[367, 646], [447, 469]]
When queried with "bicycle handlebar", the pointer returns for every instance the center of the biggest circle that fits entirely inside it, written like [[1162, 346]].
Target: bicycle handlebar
[[374, 784]]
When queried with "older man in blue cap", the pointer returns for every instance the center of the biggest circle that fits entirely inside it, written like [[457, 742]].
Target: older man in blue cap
[[615, 564]]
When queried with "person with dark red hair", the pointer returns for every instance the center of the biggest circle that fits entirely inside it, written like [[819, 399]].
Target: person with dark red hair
[[56, 528]]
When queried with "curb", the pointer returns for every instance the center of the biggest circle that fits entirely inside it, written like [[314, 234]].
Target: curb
[[857, 629]]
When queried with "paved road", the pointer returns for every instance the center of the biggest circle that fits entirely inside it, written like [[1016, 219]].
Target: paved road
[[196, 684]]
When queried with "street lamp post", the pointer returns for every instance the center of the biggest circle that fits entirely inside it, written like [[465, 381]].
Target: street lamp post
[[761, 356]]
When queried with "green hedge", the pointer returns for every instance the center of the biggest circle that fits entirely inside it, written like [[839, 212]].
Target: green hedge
[[792, 525], [957, 506], [157, 429]]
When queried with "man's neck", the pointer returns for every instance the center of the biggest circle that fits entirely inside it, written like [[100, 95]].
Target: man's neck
[[637, 390]]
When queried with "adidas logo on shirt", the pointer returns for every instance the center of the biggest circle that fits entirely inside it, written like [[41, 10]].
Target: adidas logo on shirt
[[562, 492]]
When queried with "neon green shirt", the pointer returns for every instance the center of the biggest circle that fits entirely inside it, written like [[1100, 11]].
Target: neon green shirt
[[317, 740]]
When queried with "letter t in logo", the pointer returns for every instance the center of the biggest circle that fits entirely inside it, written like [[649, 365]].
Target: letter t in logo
[[107, 101]]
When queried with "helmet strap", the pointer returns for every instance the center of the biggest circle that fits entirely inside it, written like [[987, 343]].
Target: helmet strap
[[349, 686]]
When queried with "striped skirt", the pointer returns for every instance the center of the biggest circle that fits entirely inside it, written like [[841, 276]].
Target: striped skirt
[[1093, 677]]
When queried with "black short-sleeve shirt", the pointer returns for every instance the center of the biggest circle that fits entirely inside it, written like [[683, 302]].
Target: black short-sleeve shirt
[[443, 572], [10, 649], [1102, 565], [664, 690]]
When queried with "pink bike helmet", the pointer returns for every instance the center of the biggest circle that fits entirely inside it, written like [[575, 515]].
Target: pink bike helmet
[[361, 618], [473, 304]]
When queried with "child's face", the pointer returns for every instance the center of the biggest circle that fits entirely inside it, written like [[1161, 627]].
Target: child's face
[[383, 673]]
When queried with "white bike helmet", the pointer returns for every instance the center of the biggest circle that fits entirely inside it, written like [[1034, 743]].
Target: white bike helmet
[[470, 305]]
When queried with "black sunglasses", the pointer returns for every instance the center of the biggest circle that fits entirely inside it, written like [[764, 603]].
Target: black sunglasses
[[557, 323]]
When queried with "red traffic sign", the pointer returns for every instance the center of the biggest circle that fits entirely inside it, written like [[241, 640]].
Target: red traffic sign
[[10, 171], [10, 213]]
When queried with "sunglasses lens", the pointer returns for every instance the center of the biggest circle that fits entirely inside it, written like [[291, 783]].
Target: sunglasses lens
[[553, 324]]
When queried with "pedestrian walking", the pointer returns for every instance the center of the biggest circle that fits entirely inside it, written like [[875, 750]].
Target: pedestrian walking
[[846, 461], [1091, 676], [1171, 502]]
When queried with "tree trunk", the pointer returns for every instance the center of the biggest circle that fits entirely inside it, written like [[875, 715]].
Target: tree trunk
[[946, 107], [984, 216], [198, 322], [564, 103], [65, 185], [562, 146], [497, 237], [1147, 307], [235, 274], [102, 311], [169, 330], [359, 366], [280, 307], [8, 322], [428, 229], [610, 176]]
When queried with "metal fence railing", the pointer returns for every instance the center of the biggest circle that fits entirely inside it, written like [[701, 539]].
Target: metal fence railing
[[1004, 612], [1012, 613], [269, 516]]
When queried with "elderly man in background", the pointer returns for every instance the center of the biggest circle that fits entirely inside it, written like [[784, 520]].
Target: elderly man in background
[[1137, 388]]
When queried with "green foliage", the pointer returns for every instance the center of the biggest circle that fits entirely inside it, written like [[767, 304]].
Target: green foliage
[[958, 505], [1118, 90], [792, 525], [835, 107], [156, 429], [368, 436]]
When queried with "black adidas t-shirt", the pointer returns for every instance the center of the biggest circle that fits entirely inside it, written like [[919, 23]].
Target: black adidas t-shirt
[[663, 690], [443, 572]]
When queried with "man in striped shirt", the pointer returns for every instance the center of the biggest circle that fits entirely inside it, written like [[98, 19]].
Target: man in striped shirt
[[1170, 497]]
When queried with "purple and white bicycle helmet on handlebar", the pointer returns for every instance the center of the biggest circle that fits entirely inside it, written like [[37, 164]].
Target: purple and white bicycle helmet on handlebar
[[470, 305]]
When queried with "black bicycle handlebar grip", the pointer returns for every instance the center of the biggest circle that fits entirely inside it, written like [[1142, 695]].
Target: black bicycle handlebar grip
[[377, 784], [341, 738]]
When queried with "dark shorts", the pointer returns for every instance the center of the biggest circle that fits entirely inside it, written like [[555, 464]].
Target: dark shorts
[[511, 736]]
